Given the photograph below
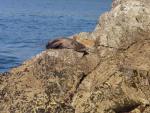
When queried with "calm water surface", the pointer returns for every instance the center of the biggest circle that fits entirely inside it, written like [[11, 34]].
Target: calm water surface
[[26, 25]]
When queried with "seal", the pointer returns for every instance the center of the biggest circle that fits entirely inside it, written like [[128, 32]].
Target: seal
[[67, 43]]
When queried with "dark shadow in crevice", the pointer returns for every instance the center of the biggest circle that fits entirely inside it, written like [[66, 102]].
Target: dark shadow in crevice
[[126, 108]]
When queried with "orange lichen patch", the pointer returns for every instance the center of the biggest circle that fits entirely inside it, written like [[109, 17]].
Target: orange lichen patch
[[86, 42]]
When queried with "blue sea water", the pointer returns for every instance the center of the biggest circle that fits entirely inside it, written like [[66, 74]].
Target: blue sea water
[[27, 25]]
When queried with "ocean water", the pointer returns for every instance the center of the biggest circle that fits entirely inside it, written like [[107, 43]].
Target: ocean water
[[27, 25]]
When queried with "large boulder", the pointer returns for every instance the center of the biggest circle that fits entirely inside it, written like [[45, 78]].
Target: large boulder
[[46, 83], [119, 84], [127, 23]]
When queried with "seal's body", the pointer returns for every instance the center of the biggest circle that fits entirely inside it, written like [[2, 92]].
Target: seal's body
[[68, 43]]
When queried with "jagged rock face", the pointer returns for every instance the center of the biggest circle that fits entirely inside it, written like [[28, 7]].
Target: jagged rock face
[[113, 78], [127, 22], [117, 2], [119, 84], [46, 83]]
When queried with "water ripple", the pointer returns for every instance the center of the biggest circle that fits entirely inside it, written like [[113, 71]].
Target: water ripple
[[27, 25]]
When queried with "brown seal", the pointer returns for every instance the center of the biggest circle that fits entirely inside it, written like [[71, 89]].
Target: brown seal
[[67, 43]]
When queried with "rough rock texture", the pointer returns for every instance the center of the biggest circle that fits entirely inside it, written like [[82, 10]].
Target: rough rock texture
[[113, 78], [125, 24]]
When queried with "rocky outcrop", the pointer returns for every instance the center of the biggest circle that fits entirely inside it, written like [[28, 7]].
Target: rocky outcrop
[[127, 23], [46, 83], [113, 78]]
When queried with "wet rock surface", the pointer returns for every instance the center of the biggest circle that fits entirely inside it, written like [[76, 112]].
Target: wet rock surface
[[113, 78]]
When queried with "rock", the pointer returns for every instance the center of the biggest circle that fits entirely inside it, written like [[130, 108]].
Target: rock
[[87, 42], [47, 82], [117, 84], [126, 23], [114, 78]]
